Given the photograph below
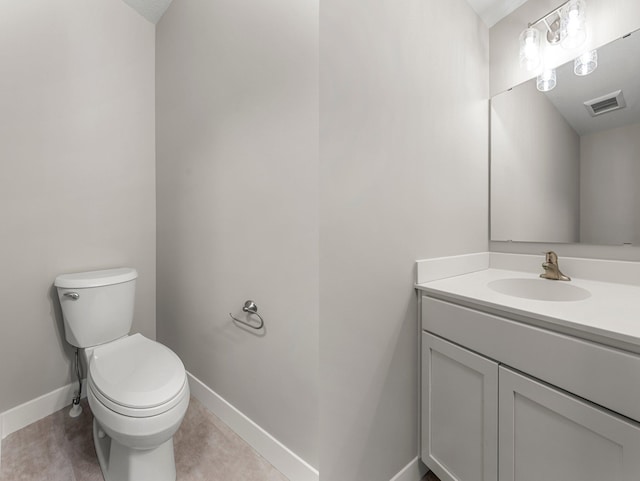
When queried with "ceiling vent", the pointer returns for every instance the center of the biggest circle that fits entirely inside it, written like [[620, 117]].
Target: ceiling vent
[[606, 103]]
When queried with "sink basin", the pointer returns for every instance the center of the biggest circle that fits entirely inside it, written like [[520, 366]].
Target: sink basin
[[540, 289]]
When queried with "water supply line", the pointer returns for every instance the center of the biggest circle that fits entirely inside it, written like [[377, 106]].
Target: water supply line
[[76, 409]]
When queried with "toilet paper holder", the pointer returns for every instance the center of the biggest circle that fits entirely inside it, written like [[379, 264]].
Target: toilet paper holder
[[250, 308]]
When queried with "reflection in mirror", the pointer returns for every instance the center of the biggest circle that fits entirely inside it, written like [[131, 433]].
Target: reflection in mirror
[[565, 164]]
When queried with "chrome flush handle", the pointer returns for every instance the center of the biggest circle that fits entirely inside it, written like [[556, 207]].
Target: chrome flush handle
[[73, 295]]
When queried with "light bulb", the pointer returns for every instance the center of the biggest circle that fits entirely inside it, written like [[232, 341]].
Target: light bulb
[[530, 49], [573, 30], [586, 63], [546, 80]]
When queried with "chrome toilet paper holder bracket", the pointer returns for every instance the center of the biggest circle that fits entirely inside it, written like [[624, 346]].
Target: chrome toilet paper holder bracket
[[251, 309]]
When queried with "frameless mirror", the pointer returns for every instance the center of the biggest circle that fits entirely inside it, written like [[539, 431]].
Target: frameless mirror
[[565, 164]]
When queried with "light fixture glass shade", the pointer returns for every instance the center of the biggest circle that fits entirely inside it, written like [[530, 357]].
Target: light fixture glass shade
[[586, 63], [530, 49], [573, 25], [546, 80]]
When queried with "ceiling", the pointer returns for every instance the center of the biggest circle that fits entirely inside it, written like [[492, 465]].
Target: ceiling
[[618, 67], [152, 10], [492, 11]]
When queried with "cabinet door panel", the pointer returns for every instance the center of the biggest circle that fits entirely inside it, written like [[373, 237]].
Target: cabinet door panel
[[459, 412], [548, 434]]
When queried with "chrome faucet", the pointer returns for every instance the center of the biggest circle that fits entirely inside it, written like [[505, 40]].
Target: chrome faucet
[[551, 269]]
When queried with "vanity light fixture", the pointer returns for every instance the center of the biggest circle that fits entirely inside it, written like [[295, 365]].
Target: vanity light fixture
[[586, 63], [546, 80], [565, 25]]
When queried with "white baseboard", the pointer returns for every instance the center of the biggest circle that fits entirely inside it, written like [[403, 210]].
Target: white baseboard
[[414, 471], [21, 416], [280, 457]]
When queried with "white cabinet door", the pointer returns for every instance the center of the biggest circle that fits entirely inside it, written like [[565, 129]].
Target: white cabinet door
[[459, 412], [551, 435]]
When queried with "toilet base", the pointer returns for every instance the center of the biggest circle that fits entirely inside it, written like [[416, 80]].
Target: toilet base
[[120, 463]]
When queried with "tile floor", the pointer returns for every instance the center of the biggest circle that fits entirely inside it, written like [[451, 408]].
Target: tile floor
[[59, 448]]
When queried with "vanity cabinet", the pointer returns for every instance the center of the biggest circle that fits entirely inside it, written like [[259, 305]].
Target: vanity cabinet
[[499, 401]]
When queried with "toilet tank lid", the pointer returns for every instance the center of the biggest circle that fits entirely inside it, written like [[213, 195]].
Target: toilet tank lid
[[79, 280]]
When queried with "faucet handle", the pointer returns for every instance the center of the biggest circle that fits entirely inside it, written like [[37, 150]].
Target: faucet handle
[[552, 270]]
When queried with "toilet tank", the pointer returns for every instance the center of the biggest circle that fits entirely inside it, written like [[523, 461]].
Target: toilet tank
[[97, 306]]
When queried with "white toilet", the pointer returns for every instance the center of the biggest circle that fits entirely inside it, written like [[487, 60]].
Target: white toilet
[[137, 388]]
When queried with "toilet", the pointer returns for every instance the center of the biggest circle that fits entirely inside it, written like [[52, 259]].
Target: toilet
[[137, 388]]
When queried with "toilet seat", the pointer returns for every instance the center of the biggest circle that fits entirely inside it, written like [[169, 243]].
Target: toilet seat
[[136, 376]]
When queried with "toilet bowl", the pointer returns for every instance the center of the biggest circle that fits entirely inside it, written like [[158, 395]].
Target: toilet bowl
[[138, 394], [137, 388]]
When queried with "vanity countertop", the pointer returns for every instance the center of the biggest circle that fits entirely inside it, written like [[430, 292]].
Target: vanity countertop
[[610, 314]]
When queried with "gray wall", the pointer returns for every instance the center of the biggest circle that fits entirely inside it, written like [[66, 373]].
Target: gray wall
[[403, 176], [77, 185], [237, 177], [535, 169]]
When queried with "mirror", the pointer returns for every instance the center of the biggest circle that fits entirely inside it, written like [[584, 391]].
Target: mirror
[[560, 173]]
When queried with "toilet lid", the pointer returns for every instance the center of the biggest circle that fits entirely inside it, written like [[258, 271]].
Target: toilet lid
[[136, 372]]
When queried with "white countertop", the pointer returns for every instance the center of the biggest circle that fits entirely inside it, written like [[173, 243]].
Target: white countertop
[[611, 314]]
